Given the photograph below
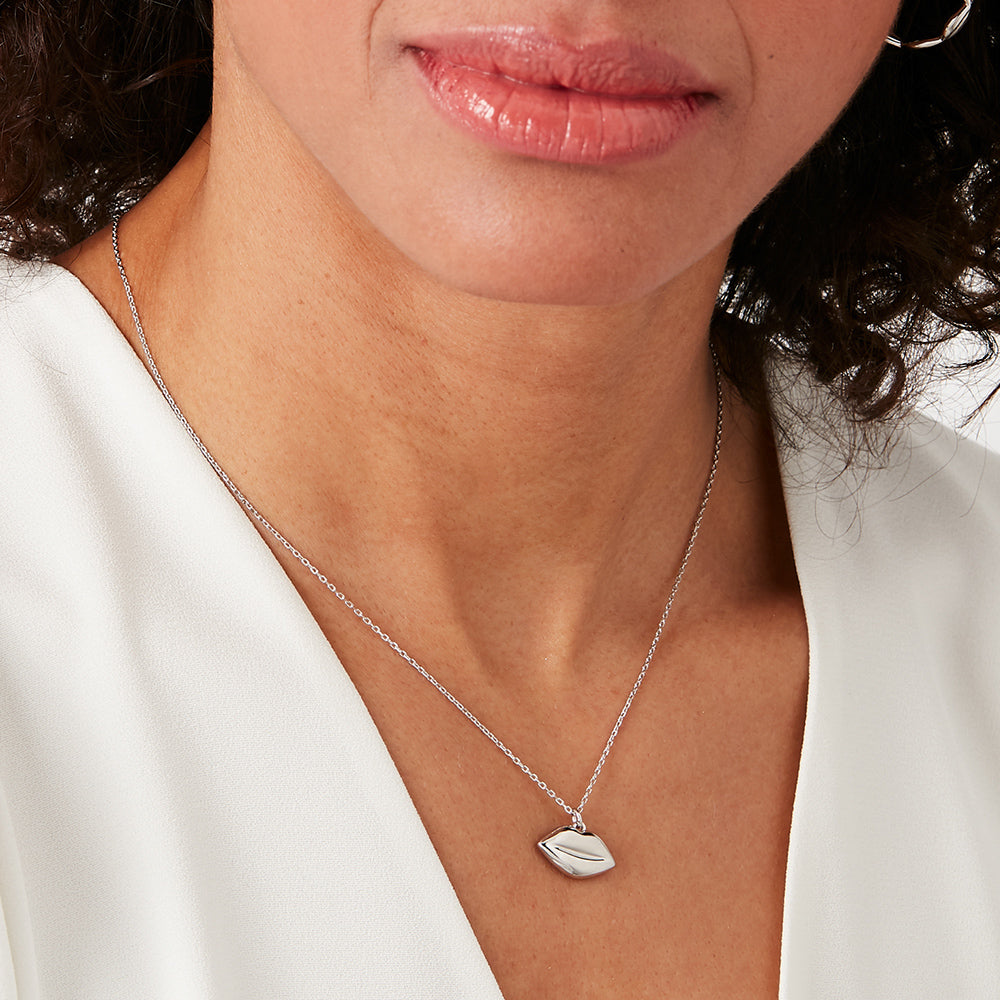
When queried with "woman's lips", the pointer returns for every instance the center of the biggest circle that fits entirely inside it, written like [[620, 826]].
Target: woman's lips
[[524, 92]]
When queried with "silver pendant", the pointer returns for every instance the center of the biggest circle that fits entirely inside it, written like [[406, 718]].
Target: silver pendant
[[579, 855]]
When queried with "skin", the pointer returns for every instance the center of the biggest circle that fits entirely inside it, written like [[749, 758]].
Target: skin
[[475, 389]]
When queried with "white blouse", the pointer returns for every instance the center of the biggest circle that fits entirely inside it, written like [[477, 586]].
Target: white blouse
[[194, 802]]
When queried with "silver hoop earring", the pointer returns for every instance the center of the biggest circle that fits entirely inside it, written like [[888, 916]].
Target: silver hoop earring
[[951, 28]]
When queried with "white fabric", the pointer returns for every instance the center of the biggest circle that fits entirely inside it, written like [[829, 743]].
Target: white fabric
[[194, 802]]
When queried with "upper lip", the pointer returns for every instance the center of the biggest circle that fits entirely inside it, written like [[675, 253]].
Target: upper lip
[[614, 66]]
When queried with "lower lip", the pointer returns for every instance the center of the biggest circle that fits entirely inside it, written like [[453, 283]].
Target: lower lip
[[556, 124]]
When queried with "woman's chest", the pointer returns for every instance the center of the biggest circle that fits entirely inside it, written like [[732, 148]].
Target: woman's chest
[[694, 803]]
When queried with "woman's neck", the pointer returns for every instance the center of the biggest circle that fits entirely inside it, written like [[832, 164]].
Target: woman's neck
[[452, 446]]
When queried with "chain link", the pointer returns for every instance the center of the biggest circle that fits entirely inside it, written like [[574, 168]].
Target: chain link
[[575, 814]]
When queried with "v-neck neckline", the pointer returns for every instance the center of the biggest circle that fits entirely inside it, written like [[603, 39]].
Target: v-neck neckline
[[281, 595]]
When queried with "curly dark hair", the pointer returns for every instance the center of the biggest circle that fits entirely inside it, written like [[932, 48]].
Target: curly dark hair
[[98, 100], [881, 246]]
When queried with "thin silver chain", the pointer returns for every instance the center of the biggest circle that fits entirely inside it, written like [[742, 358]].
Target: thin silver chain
[[574, 814]]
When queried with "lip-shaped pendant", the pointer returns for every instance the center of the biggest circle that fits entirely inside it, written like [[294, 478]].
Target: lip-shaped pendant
[[579, 855]]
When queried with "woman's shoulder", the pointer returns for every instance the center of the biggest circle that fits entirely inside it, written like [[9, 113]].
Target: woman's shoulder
[[44, 308], [75, 410], [933, 489], [898, 557], [898, 549], [912, 479], [62, 359], [928, 530], [934, 475]]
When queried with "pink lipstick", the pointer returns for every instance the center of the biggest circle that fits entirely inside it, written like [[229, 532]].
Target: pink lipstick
[[524, 92]]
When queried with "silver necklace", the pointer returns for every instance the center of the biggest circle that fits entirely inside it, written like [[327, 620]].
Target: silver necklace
[[572, 849]]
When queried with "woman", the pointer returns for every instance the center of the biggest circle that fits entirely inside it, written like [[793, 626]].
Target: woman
[[436, 289]]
